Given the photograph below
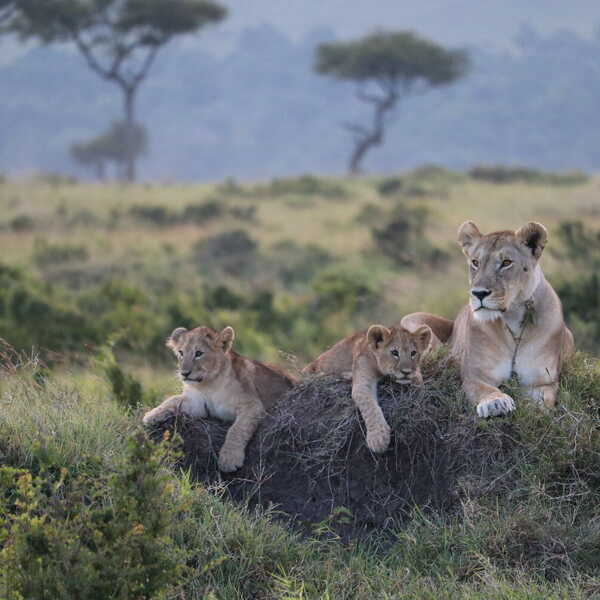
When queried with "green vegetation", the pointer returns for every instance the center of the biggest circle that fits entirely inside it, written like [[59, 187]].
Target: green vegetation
[[292, 267]]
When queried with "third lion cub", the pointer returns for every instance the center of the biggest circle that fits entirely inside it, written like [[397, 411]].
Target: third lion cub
[[366, 357]]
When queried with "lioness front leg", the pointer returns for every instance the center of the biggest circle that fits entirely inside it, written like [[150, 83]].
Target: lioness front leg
[[488, 400], [543, 395], [233, 451], [364, 394]]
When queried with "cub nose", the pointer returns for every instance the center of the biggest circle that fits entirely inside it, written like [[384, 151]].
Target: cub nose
[[481, 294], [186, 373], [406, 371]]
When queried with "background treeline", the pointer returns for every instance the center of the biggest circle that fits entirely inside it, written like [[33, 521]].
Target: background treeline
[[535, 104]]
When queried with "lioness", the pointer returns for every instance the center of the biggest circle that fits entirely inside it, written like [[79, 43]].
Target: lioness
[[367, 357], [513, 323], [218, 382]]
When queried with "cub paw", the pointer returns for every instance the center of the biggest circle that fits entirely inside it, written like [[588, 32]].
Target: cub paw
[[494, 407], [378, 439], [153, 416], [230, 460]]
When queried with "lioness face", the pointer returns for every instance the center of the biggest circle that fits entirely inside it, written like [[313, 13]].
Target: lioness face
[[502, 266], [398, 351], [202, 352]]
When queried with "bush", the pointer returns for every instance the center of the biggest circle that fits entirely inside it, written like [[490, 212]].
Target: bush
[[89, 538], [204, 211], [22, 223], [158, 216], [47, 254], [390, 186], [233, 252], [402, 239], [503, 174], [306, 185]]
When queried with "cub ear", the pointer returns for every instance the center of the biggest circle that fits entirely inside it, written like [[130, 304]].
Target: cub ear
[[468, 234], [377, 335], [175, 337], [422, 335], [534, 236], [225, 340]]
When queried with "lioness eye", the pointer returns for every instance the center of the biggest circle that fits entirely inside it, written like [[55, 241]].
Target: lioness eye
[[413, 354], [475, 262], [506, 262], [198, 354], [395, 353]]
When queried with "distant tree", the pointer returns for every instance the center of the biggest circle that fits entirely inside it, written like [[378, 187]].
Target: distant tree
[[116, 145], [119, 39], [387, 66]]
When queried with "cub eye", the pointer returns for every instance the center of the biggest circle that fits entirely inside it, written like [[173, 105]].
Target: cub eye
[[198, 354], [475, 263], [413, 354], [506, 263], [395, 353], [180, 352]]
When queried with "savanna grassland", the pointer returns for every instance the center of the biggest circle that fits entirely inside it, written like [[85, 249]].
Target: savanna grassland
[[94, 277]]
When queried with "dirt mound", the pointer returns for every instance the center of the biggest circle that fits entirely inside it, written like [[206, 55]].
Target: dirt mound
[[309, 457]]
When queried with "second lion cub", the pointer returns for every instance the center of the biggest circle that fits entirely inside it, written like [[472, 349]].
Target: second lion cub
[[366, 357]]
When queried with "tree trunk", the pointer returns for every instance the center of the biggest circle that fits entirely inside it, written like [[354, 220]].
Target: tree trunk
[[374, 137], [130, 134]]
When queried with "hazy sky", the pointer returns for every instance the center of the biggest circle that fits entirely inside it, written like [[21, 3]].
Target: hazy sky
[[450, 21], [454, 22]]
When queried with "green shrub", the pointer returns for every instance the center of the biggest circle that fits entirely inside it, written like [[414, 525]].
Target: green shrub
[[305, 185], [47, 254], [202, 212], [390, 186], [233, 252], [88, 538], [158, 216], [402, 239], [503, 174], [22, 223]]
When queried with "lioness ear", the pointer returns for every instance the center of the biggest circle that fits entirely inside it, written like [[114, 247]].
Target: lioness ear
[[422, 336], [534, 236], [225, 339], [468, 234], [377, 335], [175, 337]]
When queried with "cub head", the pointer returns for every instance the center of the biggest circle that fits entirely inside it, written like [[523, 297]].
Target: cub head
[[202, 352], [503, 266], [398, 351]]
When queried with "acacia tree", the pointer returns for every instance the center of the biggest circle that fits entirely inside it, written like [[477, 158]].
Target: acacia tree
[[115, 145], [119, 39], [386, 67]]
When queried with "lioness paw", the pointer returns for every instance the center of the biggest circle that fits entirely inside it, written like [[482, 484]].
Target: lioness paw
[[230, 460], [501, 405], [378, 439]]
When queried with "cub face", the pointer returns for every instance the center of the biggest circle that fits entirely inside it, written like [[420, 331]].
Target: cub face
[[398, 351], [502, 266], [201, 352]]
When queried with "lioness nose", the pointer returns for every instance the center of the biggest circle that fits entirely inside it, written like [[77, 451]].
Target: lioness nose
[[186, 373], [481, 294]]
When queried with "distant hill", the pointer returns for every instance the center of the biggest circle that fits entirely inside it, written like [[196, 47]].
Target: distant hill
[[258, 111]]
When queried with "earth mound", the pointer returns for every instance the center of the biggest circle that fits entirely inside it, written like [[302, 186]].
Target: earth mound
[[310, 461]]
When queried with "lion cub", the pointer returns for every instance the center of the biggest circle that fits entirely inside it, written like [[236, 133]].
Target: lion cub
[[218, 382], [366, 358]]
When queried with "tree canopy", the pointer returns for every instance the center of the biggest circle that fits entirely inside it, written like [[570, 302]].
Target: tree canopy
[[392, 57], [119, 39], [397, 62]]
